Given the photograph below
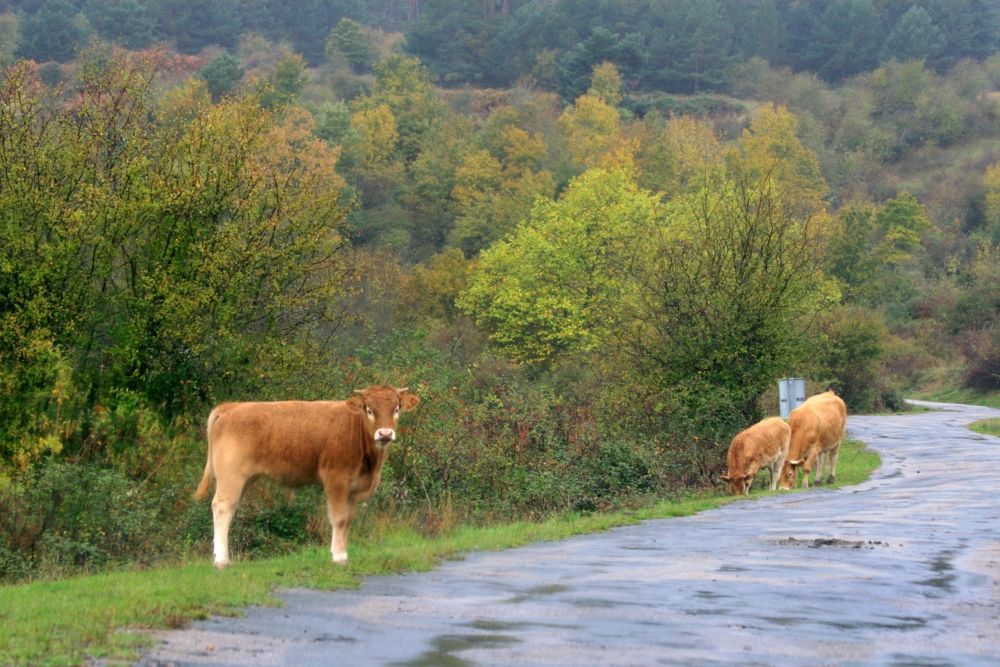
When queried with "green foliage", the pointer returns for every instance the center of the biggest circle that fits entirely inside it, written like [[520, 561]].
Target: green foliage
[[51, 33], [849, 348], [728, 276], [556, 284], [10, 37], [286, 81], [168, 277], [222, 74], [126, 22], [348, 41]]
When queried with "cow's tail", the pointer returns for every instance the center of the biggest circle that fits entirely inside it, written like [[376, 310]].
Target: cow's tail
[[206, 479]]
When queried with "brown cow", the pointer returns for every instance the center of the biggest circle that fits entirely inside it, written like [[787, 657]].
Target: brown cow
[[817, 430], [763, 445], [340, 444]]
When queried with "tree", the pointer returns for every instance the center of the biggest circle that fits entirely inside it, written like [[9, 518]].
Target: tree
[[195, 24], [222, 74], [403, 85], [158, 254], [348, 41], [727, 280], [770, 149], [287, 80], [51, 33], [591, 129], [557, 283], [10, 37], [126, 22], [915, 37]]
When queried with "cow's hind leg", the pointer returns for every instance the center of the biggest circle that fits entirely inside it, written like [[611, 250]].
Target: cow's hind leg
[[340, 511], [832, 457], [775, 469], [228, 491], [821, 460]]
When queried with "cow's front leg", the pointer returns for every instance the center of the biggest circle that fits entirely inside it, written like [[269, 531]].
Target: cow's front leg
[[340, 511]]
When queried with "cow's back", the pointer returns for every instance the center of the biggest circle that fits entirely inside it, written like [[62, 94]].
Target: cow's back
[[286, 440], [819, 422], [763, 442]]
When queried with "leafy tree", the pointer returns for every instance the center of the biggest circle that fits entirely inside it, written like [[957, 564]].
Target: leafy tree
[[333, 122], [403, 85], [591, 129], [126, 22], [10, 37], [348, 41], [222, 74], [915, 37], [842, 41], [556, 284], [287, 80], [575, 66], [728, 278], [771, 150], [902, 222], [168, 278], [51, 33], [195, 24]]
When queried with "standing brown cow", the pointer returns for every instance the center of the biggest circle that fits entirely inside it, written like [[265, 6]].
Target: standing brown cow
[[818, 427], [763, 445], [340, 444]]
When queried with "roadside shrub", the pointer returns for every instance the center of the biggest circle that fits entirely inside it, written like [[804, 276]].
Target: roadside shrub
[[65, 517], [982, 352]]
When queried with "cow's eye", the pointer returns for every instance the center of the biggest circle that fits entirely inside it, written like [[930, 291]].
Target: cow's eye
[[396, 413], [368, 411]]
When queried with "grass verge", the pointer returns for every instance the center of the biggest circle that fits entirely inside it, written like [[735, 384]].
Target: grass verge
[[987, 426], [101, 616], [966, 396]]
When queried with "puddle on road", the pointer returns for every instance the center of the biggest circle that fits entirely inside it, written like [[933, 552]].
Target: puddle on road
[[819, 542], [446, 646], [941, 566], [550, 589]]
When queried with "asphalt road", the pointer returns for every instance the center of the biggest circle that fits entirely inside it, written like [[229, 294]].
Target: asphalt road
[[901, 570]]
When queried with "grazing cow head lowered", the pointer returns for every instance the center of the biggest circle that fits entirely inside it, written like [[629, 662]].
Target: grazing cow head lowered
[[338, 444], [763, 445]]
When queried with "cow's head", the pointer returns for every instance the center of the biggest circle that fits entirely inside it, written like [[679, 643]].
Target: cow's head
[[380, 407], [789, 472], [739, 484]]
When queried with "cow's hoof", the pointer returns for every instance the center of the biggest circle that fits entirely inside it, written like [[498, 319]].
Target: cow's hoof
[[221, 564], [340, 558]]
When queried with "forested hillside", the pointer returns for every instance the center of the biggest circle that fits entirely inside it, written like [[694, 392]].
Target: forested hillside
[[590, 236]]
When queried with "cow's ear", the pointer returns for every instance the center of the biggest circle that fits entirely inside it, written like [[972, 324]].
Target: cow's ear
[[408, 401], [356, 402]]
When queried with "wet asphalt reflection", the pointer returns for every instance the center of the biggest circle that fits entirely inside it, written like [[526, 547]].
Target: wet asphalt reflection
[[901, 570]]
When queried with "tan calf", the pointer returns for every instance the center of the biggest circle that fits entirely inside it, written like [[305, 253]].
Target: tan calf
[[339, 444], [763, 445], [818, 427]]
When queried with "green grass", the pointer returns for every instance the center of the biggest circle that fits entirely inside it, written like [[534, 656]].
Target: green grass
[[65, 622], [987, 426]]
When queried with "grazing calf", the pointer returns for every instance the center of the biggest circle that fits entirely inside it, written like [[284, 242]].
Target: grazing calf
[[818, 427], [763, 445], [339, 444]]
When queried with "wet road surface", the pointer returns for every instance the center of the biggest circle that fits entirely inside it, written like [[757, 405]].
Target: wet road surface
[[901, 570]]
